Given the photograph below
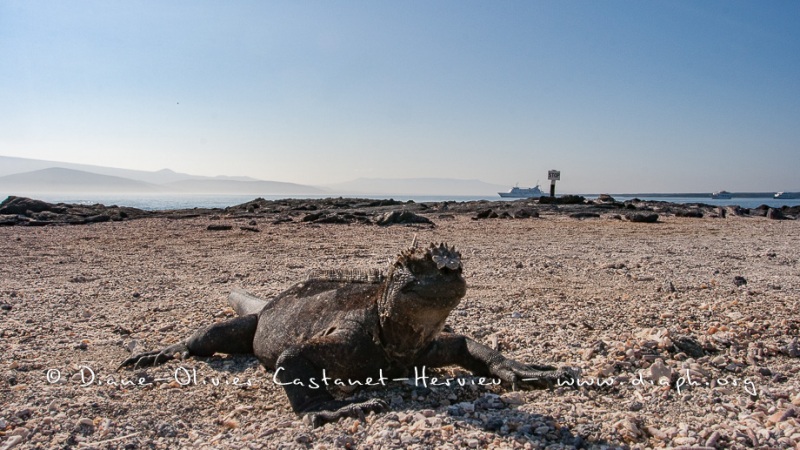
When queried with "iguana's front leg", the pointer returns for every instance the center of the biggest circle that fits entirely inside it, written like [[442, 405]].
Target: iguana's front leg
[[299, 370], [454, 349], [231, 336]]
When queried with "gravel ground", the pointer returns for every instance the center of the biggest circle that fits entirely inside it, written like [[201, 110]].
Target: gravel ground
[[689, 324]]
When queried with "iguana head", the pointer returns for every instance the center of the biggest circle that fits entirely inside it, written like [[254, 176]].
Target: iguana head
[[423, 286], [432, 274]]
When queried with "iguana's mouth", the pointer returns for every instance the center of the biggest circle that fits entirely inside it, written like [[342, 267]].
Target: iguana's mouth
[[442, 290]]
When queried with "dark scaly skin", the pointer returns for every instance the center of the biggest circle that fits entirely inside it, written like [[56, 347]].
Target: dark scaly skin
[[357, 326]]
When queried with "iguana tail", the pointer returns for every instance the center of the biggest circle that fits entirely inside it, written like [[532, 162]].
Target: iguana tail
[[245, 303]]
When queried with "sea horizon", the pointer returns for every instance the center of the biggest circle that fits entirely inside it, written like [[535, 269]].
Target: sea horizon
[[156, 202]]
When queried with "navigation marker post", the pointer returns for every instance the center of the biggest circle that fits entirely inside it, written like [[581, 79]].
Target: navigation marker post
[[553, 176]]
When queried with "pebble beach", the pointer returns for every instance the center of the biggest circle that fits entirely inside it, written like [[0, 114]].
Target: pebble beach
[[685, 330]]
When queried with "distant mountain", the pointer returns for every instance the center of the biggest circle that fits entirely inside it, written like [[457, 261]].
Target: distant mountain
[[19, 175], [61, 180], [165, 176], [37, 176], [417, 186], [11, 165], [233, 186]]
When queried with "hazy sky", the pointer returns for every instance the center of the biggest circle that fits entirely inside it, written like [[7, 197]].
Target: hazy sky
[[618, 95]]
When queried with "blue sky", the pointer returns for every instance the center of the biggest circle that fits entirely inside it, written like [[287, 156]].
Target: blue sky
[[621, 96]]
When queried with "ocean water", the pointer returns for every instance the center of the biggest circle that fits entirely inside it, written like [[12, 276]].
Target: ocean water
[[743, 202], [155, 202]]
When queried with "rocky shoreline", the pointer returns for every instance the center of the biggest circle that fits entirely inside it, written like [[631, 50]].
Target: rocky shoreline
[[24, 211], [685, 330]]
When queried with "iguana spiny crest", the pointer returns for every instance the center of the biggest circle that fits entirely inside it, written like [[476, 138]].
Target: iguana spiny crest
[[407, 261], [370, 276]]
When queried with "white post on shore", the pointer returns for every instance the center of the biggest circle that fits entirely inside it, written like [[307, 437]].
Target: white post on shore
[[553, 176]]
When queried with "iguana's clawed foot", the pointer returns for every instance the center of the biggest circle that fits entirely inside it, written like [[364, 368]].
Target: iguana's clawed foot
[[534, 376], [360, 410], [156, 357]]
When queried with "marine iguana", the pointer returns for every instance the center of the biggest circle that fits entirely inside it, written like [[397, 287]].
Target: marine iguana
[[353, 326]]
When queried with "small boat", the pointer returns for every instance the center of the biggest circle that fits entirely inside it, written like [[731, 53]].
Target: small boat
[[725, 195], [787, 195], [518, 192]]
